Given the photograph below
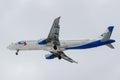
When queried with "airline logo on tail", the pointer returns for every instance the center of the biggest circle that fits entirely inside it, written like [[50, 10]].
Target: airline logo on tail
[[109, 29]]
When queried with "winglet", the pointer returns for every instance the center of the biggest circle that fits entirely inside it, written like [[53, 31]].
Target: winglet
[[59, 17]]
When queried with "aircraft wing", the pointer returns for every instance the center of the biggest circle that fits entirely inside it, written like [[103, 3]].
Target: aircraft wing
[[53, 37], [61, 55], [65, 57], [53, 40]]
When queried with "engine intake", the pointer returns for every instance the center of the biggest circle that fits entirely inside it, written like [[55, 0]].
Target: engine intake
[[49, 56]]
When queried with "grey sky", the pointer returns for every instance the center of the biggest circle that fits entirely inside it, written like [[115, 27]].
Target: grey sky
[[32, 19]]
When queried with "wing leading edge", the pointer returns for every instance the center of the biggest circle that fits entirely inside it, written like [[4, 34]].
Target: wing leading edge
[[53, 37], [53, 40]]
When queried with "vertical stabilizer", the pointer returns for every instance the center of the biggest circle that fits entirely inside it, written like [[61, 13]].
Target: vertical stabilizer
[[106, 36]]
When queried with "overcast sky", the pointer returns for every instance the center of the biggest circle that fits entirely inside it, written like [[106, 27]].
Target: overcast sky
[[81, 19]]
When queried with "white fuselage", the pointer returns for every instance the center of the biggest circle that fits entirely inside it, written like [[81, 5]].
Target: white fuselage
[[33, 45]]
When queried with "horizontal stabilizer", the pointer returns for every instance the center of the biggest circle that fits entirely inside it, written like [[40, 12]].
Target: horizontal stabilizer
[[110, 46]]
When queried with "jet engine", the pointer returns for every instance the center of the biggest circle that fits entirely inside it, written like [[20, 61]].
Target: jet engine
[[49, 56]]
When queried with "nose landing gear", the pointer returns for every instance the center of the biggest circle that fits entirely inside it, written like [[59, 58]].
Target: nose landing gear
[[17, 52]]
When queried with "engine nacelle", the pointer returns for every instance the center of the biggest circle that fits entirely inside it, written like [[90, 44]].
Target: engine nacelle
[[49, 56]]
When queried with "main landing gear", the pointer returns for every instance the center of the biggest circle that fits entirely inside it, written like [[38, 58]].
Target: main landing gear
[[59, 57], [55, 47], [17, 52]]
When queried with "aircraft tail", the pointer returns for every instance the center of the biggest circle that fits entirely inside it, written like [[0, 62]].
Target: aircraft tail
[[106, 36], [110, 46]]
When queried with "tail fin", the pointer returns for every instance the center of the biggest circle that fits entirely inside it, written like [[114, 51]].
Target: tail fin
[[106, 36]]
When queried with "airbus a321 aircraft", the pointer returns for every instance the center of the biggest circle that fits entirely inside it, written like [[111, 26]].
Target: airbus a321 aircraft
[[56, 46]]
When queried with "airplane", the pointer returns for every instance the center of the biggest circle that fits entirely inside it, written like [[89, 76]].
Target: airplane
[[57, 47]]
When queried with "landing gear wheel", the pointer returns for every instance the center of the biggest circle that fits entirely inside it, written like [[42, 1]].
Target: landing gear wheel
[[59, 57], [17, 52], [55, 47]]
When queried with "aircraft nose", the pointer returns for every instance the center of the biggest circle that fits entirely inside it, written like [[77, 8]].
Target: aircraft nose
[[9, 47]]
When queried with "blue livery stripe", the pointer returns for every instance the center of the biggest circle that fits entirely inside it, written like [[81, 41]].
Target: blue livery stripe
[[43, 42], [92, 44], [110, 28]]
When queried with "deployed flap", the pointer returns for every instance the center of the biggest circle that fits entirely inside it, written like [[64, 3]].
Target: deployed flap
[[62, 55], [107, 34], [65, 57], [53, 37]]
